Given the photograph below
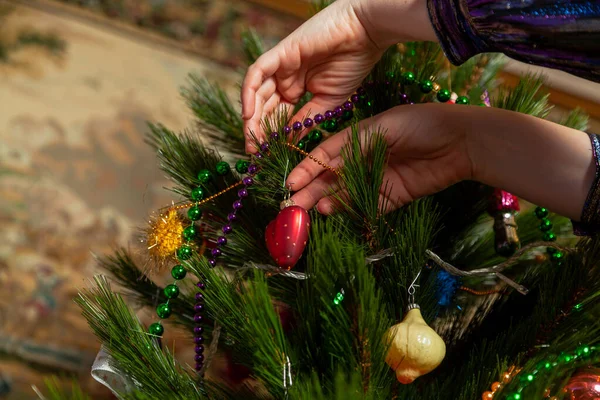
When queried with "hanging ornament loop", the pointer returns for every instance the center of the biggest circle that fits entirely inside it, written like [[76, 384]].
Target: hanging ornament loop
[[411, 293]]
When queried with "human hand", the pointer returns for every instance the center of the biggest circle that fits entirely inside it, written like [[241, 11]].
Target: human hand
[[329, 56], [428, 152]]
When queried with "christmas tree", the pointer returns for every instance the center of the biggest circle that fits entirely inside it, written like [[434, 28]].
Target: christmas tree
[[443, 298]]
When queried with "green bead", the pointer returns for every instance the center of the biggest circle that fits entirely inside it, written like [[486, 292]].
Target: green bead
[[370, 104], [241, 166], [426, 86], [197, 194], [545, 225], [184, 252], [408, 78], [347, 115], [194, 213], [189, 233], [163, 310], [541, 212], [178, 272], [156, 329], [171, 291], [222, 168], [443, 95], [557, 256], [336, 302], [549, 236], [315, 136], [204, 176], [517, 396], [330, 125], [462, 100], [302, 144], [529, 377], [389, 75]]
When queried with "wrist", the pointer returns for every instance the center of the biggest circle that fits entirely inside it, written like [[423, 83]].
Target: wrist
[[388, 22]]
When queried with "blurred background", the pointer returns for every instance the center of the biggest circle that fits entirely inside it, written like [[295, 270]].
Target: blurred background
[[78, 81]]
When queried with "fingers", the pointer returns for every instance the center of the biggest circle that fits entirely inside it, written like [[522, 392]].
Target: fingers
[[265, 97], [264, 67], [320, 187], [317, 105]]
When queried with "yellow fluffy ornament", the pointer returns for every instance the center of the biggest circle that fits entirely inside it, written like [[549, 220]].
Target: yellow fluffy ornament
[[415, 348]]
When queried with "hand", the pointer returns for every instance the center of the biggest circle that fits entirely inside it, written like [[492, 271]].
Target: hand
[[329, 56], [426, 154]]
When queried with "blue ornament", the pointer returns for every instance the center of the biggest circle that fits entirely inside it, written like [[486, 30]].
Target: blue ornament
[[446, 286]]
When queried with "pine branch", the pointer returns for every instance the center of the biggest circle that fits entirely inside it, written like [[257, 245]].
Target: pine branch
[[576, 119], [252, 46], [49, 42], [525, 98], [213, 109], [317, 5], [136, 353], [56, 392]]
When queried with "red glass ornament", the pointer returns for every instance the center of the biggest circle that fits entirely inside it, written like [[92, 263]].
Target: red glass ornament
[[584, 384], [286, 236]]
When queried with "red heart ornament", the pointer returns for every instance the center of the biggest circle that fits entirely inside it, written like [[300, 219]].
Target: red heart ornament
[[286, 236]]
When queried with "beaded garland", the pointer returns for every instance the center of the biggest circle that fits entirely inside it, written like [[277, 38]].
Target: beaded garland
[[328, 121], [548, 236]]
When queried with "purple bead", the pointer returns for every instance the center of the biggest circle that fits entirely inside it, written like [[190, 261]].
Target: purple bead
[[328, 114], [308, 122], [412, 102], [287, 130], [198, 318], [237, 204], [199, 307], [338, 111], [348, 105], [403, 97], [212, 262], [387, 83], [200, 285], [354, 98], [252, 169], [274, 135], [221, 240], [264, 147], [227, 229], [216, 252], [360, 91], [199, 358], [198, 340], [248, 181], [319, 118], [198, 366], [198, 331], [199, 349], [297, 125], [199, 296], [242, 193], [231, 217], [259, 156]]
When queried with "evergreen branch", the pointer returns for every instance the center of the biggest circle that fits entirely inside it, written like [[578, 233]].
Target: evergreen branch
[[252, 46], [144, 291], [213, 108], [525, 98], [56, 392], [317, 5], [576, 119], [136, 353], [49, 42]]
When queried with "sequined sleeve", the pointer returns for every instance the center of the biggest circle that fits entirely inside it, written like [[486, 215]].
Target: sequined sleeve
[[589, 223], [563, 34]]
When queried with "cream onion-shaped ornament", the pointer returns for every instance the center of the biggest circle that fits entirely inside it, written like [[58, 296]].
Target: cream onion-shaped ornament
[[415, 349]]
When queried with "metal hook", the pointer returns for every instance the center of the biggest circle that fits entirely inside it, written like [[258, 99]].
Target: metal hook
[[412, 289]]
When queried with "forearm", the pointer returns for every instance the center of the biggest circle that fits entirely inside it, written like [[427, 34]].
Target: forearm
[[542, 162], [392, 21]]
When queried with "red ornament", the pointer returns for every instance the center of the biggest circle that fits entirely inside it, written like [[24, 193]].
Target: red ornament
[[584, 384], [286, 236], [502, 201]]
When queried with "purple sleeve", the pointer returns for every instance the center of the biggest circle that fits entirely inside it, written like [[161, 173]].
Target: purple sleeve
[[556, 34], [589, 223]]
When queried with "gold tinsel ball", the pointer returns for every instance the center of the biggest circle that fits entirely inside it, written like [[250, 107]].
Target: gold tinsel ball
[[415, 348], [164, 234], [496, 386]]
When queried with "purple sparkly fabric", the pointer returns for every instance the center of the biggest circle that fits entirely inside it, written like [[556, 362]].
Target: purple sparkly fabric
[[590, 216], [559, 34]]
